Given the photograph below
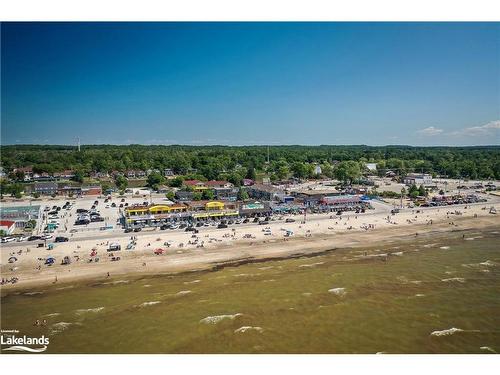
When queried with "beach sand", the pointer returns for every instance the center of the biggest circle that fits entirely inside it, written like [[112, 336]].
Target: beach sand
[[224, 247]]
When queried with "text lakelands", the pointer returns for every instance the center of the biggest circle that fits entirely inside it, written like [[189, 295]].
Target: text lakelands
[[24, 340]]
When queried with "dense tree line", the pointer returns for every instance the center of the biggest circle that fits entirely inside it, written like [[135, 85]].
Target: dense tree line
[[234, 163]]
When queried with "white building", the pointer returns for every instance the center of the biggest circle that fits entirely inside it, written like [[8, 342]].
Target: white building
[[317, 169], [372, 167], [418, 179]]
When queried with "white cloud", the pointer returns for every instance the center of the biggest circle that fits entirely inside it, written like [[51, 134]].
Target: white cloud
[[478, 130], [430, 131]]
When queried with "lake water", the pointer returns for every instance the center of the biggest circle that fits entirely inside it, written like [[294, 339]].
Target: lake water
[[347, 301]]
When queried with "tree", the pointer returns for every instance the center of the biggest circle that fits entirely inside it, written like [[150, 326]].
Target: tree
[[175, 182], [242, 194], [121, 182], [421, 191], [154, 180], [36, 195], [170, 195], [347, 171], [208, 194], [251, 173], [105, 186], [78, 176], [197, 196], [299, 170]]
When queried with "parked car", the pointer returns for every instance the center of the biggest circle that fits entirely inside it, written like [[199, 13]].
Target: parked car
[[33, 238], [8, 239], [222, 226], [21, 238], [61, 239], [138, 229], [290, 220]]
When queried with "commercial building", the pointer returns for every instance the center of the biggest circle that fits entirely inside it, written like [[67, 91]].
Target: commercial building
[[7, 226], [255, 209], [196, 185], [212, 209], [45, 188], [418, 179], [266, 192], [153, 215]]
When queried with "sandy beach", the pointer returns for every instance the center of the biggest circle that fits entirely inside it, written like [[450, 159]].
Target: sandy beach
[[213, 248]]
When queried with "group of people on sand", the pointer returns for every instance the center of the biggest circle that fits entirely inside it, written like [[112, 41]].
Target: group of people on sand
[[37, 323], [11, 280]]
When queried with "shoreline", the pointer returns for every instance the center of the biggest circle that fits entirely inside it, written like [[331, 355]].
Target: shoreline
[[211, 259]]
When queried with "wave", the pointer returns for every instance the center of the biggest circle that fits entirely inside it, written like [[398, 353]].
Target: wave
[[457, 279], [452, 331], [65, 287], [149, 303], [312, 264], [217, 318], [338, 291], [146, 286], [444, 247], [32, 293], [182, 292], [430, 245], [248, 328], [52, 314], [27, 349], [192, 282], [94, 310], [487, 348], [116, 282], [419, 295], [488, 263], [266, 268], [399, 253], [59, 327]]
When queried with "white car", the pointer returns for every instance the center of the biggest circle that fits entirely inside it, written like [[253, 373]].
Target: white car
[[22, 238], [46, 237], [8, 239]]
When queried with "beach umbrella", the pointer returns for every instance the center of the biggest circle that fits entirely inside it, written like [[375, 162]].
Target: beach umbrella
[[12, 259]]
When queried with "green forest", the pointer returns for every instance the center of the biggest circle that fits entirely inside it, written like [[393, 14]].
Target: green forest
[[236, 162]]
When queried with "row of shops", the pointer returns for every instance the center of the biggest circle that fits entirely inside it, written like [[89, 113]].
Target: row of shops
[[194, 211]]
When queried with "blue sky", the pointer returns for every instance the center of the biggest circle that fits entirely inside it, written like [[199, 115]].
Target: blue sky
[[251, 83]]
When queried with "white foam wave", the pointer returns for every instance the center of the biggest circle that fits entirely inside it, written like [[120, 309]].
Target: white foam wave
[[446, 332], [338, 291], [488, 263], [52, 314], [149, 303], [192, 282], [399, 254], [94, 310], [488, 349], [59, 327], [248, 328], [457, 279], [217, 318], [312, 264], [32, 293], [182, 292], [444, 247]]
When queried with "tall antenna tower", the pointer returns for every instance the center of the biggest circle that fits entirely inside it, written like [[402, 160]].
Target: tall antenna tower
[[78, 142], [268, 154]]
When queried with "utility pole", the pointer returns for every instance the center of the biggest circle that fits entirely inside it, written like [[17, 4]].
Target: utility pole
[[268, 154]]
